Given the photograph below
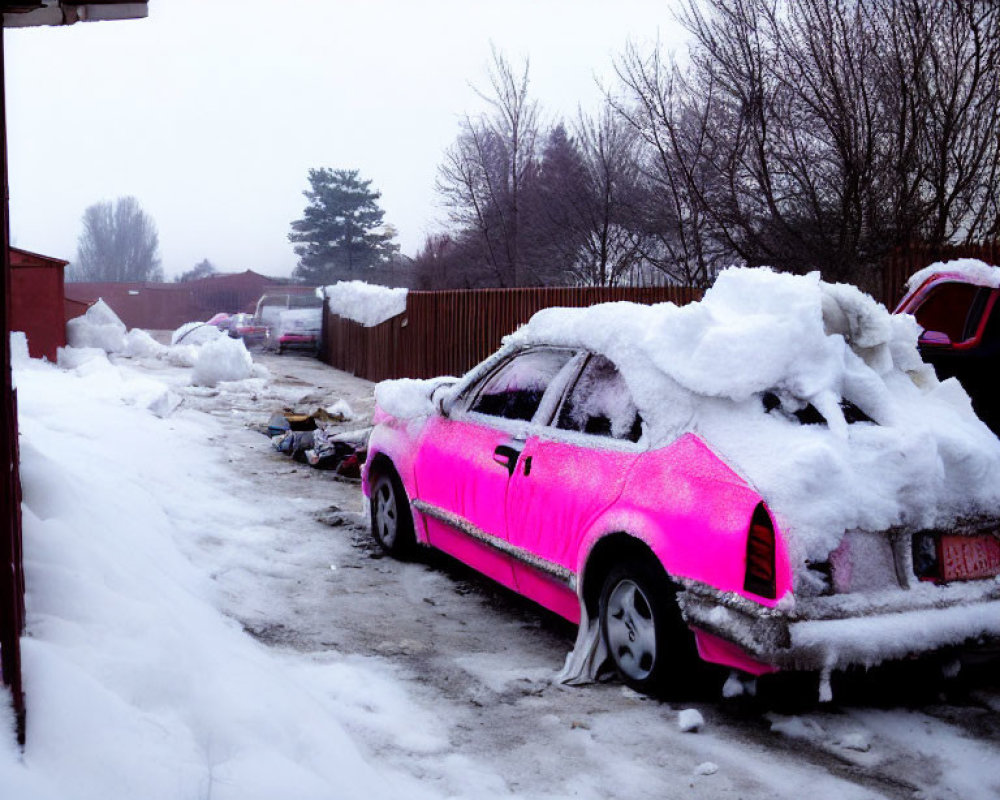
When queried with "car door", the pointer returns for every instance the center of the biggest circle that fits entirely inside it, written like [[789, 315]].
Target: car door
[[466, 458], [568, 474]]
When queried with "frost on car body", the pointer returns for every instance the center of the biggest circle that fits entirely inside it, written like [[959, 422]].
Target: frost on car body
[[777, 457]]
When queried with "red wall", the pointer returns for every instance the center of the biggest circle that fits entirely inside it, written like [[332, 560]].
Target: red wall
[[36, 302]]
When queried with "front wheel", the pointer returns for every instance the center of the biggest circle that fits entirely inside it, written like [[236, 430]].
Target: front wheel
[[647, 640], [392, 522]]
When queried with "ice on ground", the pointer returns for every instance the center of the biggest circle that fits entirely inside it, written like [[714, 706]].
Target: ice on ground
[[364, 302], [223, 359], [972, 269], [706, 768], [690, 720], [98, 327]]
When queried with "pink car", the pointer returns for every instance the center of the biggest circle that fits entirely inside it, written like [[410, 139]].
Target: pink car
[[550, 469]]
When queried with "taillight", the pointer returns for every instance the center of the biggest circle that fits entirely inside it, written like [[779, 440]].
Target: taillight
[[760, 554]]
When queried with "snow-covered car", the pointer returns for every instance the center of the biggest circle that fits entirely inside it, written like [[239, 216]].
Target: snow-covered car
[[220, 321], [771, 478], [299, 328], [955, 302]]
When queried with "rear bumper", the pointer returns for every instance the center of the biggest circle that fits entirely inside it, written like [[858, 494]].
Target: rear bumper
[[840, 631]]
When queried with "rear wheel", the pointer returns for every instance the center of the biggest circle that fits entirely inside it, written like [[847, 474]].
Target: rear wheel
[[392, 522], [647, 640]]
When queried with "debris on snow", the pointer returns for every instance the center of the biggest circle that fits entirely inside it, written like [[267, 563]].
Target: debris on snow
[[859, 741], [690, 720]]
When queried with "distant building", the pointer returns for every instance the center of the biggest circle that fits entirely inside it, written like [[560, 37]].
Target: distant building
[[165, 306]]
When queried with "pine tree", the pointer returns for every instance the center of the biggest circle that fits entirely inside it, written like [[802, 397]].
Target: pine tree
[[341, 235]]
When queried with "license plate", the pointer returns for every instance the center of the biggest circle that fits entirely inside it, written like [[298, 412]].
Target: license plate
[[969, 557]]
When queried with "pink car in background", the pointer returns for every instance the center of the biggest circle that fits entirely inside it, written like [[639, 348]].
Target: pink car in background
[[539, 469]]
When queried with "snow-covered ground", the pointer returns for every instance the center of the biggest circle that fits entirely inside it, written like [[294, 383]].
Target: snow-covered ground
[[207, 618]]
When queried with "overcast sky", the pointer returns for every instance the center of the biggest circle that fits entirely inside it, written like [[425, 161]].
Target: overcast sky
[[210, 112]]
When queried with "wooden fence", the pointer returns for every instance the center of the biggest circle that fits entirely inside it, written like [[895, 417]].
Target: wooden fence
[[446, 333], [902, 263]]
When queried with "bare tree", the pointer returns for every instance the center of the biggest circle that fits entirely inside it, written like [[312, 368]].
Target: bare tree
[[486, 170], [118, 243], [612, 243], [821, 133]]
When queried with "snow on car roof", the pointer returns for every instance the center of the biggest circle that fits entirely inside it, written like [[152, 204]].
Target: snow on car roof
[[970, 269], [927, 462]]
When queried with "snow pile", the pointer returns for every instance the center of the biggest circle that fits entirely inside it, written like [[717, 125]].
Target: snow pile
[[223, 359], [139, 344], [196, 333], [735, 367], [973, 270], [98, 327], [136, 685], [364, 302], [19, 355]]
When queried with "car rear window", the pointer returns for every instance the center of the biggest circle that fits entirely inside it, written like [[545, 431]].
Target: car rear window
[[600, 404]]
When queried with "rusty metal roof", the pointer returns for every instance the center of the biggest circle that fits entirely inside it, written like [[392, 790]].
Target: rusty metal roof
[[24, 13]]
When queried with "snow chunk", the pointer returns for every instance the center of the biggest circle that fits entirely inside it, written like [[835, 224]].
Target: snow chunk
[[364, 302], [690, 720], [18, 349], [98, 327], [74, 357], [706, 768], [139, 344], [409, 398], [196, 333], [972, 269], [224, 359]]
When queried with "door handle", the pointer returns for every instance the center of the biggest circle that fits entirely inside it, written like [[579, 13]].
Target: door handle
[[507, 456]]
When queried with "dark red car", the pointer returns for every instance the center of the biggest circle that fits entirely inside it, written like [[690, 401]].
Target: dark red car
[[956, 303]]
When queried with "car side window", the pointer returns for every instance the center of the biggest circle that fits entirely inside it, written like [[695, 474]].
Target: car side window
[[515, 390], [950, 308], [601, 404]]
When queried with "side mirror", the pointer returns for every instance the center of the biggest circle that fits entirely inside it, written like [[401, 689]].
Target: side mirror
[[443, 399], [935, 338]]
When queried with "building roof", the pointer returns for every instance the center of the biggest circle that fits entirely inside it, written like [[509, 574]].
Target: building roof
[[25, 13]]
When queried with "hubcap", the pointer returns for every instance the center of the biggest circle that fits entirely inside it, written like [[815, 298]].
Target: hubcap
[[631, 630], [385, 514]]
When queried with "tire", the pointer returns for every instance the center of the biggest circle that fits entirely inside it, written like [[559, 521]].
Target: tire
[[391, 520], [648, 643]]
